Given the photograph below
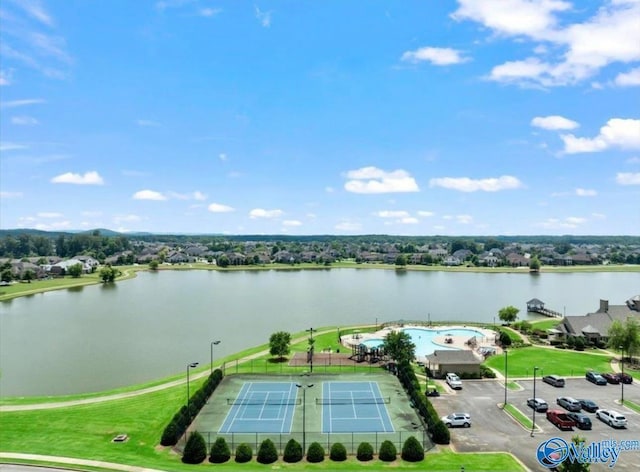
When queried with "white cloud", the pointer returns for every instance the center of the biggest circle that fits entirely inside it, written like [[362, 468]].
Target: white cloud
[[570, 222], [264, 17], [197, 195], [292, 223], [408, 220], [220, 208], [149, 195], [92, 214], [583, 192], [209, 12], [21, 103], [9, 146], [373, 180], [262, 213], [89, 178], [628, 79], [223, 157], [119, 219], [512, 17], [5, 194], [465, 184], [618, 132], [554, 122], [329, 189], [628, 178], [24, 120], [425, 213], [633, 160], [147, 123], [572, 52], [348, 226], [436, 56], [5, 77], [392, 214], [49, 214], [35, 9]]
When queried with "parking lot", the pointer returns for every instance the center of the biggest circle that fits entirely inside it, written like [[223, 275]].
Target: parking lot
[[494, 430]]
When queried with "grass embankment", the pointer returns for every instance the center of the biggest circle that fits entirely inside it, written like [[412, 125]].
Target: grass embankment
[[520, 417], [85, 431]]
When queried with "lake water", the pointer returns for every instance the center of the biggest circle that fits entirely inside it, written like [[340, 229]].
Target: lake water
[[100, 337]]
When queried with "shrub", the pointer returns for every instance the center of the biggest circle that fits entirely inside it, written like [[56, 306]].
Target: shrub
[[487, 373], [243, 453], [440, 433], [170, 435], [292, 451], [315, 453], [338, 452], [412, 450], [365, 452], [580, 343], [195, 451], [387, 452], [220, 451], [267, 453]]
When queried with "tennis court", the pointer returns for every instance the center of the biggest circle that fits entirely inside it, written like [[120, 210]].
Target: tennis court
[[354, 407], [263, 407]]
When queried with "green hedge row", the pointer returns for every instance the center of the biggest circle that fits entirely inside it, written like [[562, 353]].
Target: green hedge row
[[195, 451], [439, 431], [182, 419]]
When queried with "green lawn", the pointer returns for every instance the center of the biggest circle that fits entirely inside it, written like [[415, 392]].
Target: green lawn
[[550, 361]]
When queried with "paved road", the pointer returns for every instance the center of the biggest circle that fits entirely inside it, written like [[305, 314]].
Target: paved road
[[494, 430]]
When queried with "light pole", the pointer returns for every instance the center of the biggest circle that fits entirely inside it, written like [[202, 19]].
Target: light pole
[[533, 426], [189, 366], [213, 343], [506, 375], [622, 376], [304, 388], [310, 351]]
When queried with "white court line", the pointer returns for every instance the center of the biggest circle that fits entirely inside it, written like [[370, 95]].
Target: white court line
[[243, 392]]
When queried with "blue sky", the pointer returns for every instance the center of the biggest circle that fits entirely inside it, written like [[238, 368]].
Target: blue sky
[[468, 117]]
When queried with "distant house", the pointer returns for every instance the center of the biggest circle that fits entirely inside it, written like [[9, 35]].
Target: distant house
[[62, 267], [595, 326], [451, 261], [459, 361]]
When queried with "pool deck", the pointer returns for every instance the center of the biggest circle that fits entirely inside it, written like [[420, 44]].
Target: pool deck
[[447, 341]]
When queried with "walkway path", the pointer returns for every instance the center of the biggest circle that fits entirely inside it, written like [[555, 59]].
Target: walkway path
[[135, 393], [75, 462]]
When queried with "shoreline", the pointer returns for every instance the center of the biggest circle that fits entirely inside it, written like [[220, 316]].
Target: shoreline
[[130, 272]]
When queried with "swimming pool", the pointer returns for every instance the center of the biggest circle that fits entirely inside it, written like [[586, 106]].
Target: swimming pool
[[423, 338]]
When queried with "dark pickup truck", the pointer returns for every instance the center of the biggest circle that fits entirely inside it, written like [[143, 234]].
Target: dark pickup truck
[[561, 419]]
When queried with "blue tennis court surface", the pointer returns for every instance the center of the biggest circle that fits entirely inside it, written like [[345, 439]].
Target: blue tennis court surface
[[354, 407], [262, 407]]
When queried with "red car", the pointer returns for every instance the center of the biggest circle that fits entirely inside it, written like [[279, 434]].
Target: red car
[[611, 378], [624, 378]]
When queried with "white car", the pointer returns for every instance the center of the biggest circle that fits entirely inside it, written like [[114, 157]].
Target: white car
[[454, 381], [612, 418], [457, 419]]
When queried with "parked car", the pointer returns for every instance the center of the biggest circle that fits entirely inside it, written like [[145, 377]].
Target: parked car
[[554, 380], [561, 419], [625, 378], [569, 403], [538, 404], [588, 405], [582, 421], [454, 381], [612, 418], [611, 377], [457, 419], [595, 378]]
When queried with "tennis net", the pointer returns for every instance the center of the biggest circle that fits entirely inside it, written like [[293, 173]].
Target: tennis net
[[353, 401], [264, 401]]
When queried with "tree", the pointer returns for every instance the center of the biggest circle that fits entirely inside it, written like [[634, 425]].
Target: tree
[[338, 452], [75, 270], [153, 265], [220, 451], [108, 274], [401, 260], [28, 275], [388, 451], [365, 452], [315, 453], [279, 344], [569, 466], [195, 451], [625, 335], [534, 264], [7, 275], [508, 314], [243, 453], [398, 345], [292, 451]]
